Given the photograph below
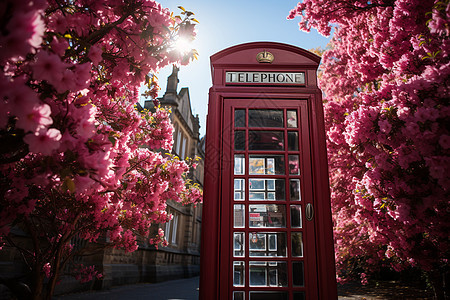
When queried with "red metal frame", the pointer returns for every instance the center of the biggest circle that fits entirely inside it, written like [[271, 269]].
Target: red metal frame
[[216, 268]]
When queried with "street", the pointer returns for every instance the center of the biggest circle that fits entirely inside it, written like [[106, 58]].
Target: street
[[182, 289]]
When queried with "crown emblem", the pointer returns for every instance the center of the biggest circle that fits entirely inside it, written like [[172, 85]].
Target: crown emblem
[[265, 57]]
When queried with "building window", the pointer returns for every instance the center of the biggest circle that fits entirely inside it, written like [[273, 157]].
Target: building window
[[174, 230], [175, 133], [178, 142], [183, 151], [171, 230]]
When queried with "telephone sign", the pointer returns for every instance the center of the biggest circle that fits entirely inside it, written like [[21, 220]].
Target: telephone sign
[[267, 230]]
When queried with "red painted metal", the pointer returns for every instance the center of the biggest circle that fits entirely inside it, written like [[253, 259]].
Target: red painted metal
[[216, 278]]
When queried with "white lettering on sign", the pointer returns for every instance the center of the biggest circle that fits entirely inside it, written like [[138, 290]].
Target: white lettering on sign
[[265, 77]]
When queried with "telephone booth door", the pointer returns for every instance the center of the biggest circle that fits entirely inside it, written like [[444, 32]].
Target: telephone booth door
[[268, 236]]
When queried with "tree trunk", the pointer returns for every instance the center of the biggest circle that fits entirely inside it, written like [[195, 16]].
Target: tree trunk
[[37, 283], [440, 285]]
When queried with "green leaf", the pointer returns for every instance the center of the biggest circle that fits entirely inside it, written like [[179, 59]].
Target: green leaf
[[68, 182], [112, 140]]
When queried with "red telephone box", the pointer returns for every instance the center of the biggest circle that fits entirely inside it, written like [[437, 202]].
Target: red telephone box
[[267, 229]]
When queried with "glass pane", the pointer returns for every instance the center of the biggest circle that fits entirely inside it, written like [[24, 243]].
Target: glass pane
[[238, 273], [297, 274], [239, 118], [238, 244], [267, 244], [294, 189], [264, 273], [239, 189], [296, 216], [266, 189], [257, 241], [239, 164], [239, 218], [238, 296], [268, 296], [266, 164], [270, 215], [239, 140], [294, 164], [299, 296], [297, 244], [292, 118], [293, 141], [265, 118], [265, 140]]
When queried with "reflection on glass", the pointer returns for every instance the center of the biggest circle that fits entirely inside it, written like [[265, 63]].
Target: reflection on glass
[[266, 189], [239, 140], [266, 164], [297, 244], [265, 118], [239, 164], [267, 244], [293, 141], [239, 189], [239, 217], [265, 273], [294, 189], [274, 239], [296, 216], [238, 295], [239, 118], [238, 273], [265, 140], [297, 273], [292, 118], [270, 215], [269, 295], [294, 164], [257, 241], [238, 244], [299, 296]]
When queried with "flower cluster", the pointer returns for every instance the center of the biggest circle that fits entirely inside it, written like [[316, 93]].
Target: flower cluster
[[87, 273], [386, 80], [76, 156]]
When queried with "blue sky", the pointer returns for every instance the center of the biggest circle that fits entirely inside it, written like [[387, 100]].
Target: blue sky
[[227, 23]]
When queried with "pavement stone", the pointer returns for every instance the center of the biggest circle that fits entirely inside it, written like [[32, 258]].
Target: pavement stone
[[187, 289]]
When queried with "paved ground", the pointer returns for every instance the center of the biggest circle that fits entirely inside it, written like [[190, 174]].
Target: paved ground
[[187, 289], [182, 289]]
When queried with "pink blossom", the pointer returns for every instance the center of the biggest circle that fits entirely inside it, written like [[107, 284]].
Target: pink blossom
[[49, 67], [95, 54], [43, 141], [385, 126], [59, 46], [35, 119], [47, 268], [444, 141], [4, 117], [25, 31]]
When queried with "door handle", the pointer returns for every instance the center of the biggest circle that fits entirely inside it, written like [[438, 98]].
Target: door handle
[[309, 212]]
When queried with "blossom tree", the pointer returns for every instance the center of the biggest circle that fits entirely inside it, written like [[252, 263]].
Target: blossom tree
[[76, 157], [386, 81]]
